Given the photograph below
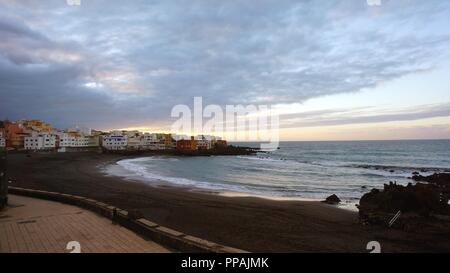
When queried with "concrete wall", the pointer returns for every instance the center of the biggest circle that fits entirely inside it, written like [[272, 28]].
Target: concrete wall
[[162, 235], [3, 179]]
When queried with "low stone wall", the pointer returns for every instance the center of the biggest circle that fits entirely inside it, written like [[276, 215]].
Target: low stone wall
[[3, 179], [159, 234]]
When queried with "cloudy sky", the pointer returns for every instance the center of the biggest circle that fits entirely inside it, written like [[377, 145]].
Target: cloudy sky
[[333, 69]]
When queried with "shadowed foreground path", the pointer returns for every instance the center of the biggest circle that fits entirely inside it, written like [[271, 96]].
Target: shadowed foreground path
[[34, 225]]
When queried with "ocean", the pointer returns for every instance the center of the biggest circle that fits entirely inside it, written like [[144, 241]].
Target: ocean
[[298, 170]]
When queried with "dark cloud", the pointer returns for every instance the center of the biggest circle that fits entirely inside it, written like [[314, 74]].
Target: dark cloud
[[116, 64]]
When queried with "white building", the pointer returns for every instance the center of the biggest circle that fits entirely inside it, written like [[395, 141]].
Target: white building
[[66, 140], [49, 141], [153, 142], [81, 141], [33, 142], [40, 142], [204, 142], [115, 141], [2, 140], [135, 142]]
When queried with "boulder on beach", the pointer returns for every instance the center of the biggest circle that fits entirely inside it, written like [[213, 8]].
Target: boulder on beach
[[332, 199]]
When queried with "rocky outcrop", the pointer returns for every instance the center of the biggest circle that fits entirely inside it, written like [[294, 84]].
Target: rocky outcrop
[[421, 204], [439, 179], [332, 200]]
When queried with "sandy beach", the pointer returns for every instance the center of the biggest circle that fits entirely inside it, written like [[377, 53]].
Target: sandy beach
[[249, 223]]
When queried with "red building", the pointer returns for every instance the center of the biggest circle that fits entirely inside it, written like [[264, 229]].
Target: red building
[[184, 145], [187, 145]]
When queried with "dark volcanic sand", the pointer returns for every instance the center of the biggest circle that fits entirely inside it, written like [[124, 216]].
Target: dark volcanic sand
[[252, 224]]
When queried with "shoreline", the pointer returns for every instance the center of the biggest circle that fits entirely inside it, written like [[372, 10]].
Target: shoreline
[[351, 206], [130, 176], [114, 169], [245, 222]]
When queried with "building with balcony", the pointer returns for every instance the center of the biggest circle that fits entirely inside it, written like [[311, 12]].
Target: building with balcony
[[49, 141], [115, 141], [66, 140], [33, 143], [40, 142]]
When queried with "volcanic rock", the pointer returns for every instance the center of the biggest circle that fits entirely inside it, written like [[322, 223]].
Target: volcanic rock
[[332, 199], [420, 204]]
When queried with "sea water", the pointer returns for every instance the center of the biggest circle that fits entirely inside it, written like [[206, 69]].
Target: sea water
[[305, 170]]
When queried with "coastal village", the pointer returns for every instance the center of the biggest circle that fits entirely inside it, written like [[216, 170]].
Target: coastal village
[[37, 135]]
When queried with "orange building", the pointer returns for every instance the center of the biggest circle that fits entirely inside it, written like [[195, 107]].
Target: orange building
[[14, 135]]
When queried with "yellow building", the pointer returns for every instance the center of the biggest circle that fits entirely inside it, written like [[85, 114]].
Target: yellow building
[[169, 142], [193, 144], [36, 125]]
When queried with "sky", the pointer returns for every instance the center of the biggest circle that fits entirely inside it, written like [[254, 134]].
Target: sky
[[332, 69]]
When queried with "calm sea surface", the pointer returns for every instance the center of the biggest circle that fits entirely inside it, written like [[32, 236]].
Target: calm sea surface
[[298, 169]]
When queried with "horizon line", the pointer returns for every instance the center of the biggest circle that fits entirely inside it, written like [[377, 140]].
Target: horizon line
[[348, 140]]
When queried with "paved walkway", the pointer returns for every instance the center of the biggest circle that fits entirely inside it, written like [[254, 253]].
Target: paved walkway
[[35, 225]]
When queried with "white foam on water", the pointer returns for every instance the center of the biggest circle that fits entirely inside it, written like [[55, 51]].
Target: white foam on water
[[136, 170]]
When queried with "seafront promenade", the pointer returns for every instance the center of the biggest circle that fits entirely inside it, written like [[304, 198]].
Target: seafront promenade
[[29, 225]]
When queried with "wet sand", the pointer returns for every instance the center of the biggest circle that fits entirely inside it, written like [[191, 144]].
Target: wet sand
[[250, 223]]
